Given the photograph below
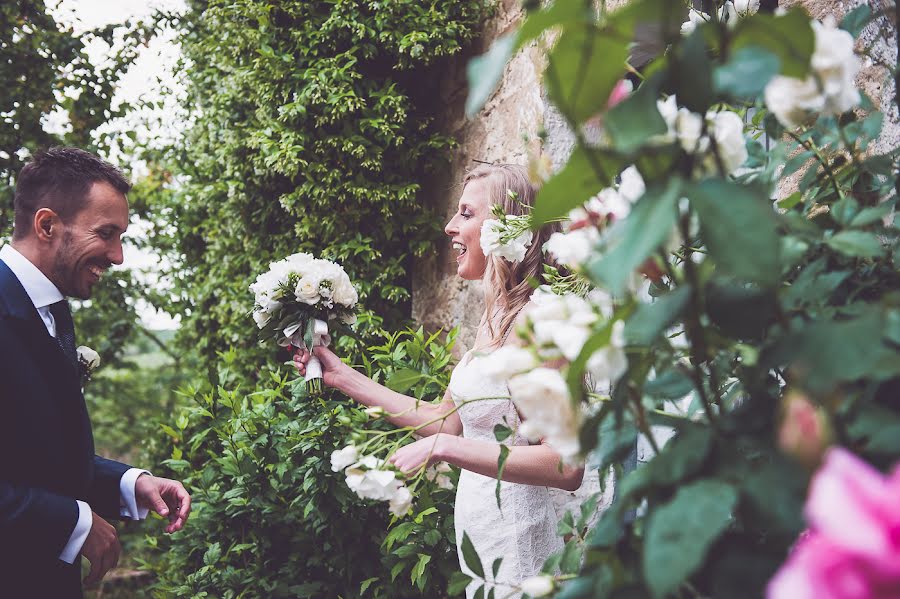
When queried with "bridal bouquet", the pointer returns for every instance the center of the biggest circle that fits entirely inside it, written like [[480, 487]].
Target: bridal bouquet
[[295, 299]]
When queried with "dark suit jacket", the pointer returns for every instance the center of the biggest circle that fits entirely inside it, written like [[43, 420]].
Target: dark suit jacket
[[47, 456]]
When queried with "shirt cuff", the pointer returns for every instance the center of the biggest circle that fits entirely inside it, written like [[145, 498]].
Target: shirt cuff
[[79, 535], [129, 508]]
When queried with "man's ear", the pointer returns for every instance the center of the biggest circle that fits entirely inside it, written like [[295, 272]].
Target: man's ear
[[45, 224]]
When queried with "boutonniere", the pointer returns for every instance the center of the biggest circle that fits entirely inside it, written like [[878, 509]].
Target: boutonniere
[[88, 361]]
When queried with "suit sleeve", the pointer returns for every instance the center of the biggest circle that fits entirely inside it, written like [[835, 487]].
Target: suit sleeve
[[35, 521], [104, 496]]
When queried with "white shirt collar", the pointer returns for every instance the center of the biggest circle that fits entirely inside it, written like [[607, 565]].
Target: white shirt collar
[[38, 287]]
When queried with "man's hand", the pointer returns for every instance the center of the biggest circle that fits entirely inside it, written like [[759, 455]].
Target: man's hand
[[166, 497], [101, 548]]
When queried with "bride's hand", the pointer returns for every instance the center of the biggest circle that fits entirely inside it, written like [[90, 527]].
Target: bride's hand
[[424, 452], [331, 364]]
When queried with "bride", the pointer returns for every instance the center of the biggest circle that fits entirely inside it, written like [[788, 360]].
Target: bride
[[523, 529]]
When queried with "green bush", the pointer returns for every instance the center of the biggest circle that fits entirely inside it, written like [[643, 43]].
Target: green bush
[[271, 519], [310, 131]]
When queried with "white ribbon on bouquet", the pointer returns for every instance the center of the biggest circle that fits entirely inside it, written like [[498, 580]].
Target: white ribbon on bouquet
[[320, 338]]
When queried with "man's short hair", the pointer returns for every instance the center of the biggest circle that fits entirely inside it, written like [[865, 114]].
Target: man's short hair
[[60, 178]]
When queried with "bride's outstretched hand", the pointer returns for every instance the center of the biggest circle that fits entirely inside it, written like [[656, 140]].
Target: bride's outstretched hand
[[331, 364]]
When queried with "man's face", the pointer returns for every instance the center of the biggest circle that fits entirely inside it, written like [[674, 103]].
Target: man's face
[[91, 241]]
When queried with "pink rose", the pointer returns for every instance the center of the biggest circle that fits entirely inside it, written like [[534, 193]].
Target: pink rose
[[619, 93], [852, 550], [804, 432]]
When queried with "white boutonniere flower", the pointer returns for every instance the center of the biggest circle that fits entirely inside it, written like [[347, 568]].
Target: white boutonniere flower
[[88, 361]]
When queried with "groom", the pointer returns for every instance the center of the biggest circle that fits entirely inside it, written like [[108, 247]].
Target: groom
[[55, 494]]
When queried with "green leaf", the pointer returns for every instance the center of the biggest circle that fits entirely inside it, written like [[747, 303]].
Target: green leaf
[[419, 568], [560, 12], [669, 384], [365, 585], [571, 558], [404, 379], [458, 583], [587, 171], [633, 239], [631, 122], [484, 72], [746, 73], [738, 226], [615, 441], [502, 432], [876, 429], [828, 352], [583, 68], [874, 214], [856, 244], [212, 554], [470, 556], [740, 310], [501, 464], [690, 74], [680, 532], [495, 567], [679, 459], [649, 320], [789, 37], [856, 20]]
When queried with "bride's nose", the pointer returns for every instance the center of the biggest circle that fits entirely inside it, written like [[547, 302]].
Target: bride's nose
[[451, 228]]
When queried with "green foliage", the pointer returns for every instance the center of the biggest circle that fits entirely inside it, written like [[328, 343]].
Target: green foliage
[[45, 68], [270, 518], [753, 299], [311, 131]]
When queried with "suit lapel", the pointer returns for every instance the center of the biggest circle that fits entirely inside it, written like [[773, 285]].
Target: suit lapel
[[33, 332]]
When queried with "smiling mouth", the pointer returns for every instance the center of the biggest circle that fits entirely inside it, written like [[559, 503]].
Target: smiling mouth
[[96, 271], [462, 249]]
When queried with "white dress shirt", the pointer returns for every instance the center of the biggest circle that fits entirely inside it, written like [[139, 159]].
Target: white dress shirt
[[43, 294]]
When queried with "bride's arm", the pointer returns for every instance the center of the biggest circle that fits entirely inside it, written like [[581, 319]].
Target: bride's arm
[[402, 410], [526, 464]]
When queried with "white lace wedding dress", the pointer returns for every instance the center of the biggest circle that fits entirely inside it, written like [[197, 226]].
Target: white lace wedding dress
[[523, 530]]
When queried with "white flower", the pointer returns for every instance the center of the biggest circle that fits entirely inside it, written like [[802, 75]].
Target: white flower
[[537, 586], [492, 233], [344, 292], [307, 289], [88, 357], [728, 14], [507, 361], [341, 458], [746, 8], [728, 131], [668, 109], [366, 480], [437, 473], [400, 501], [828, 89], [695, 17], [688, 129], [609, 363], [573, 248], [542, 398], [374, 411], [632, 186]]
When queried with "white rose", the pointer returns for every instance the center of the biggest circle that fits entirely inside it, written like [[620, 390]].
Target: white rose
[[688, 128], [490, 236], [632, 186], [345, 293], [400, 501], [728, 130], [437, 473], [341, 458], [546, 305], [668, 108], [728, 14], [746, 8], [829, 89], [695, 17], [542, 397], [372, 483], [374, 411], [537, 586], [88, 357], [609, 363], [508, 361], [573, 248], [307, 290], [613, 204]]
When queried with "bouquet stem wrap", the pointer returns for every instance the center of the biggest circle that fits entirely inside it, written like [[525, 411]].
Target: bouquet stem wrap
[[320, 337]]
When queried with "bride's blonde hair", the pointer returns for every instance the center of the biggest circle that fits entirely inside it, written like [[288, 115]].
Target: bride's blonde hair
[[507, 286]]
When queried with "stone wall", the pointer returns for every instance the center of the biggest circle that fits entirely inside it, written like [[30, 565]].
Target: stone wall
[[508, 130]]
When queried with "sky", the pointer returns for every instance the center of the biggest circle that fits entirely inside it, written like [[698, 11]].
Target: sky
[[153, 71]]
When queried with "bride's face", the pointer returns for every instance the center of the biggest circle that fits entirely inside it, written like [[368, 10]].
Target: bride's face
[[464, 230]]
